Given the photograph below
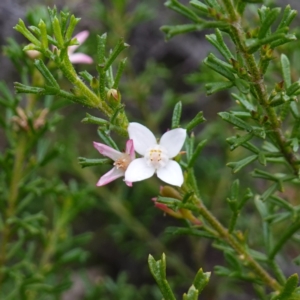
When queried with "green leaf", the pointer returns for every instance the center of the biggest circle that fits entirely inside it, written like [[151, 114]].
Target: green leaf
[[189, 145], [230, 118], [192, 294], [269, 192], [58, 33], [201, 280], [232, 260], [264, 212], [215, 5], [287, 18], [44, 38], [254, 44], [286, 70], [201, 7], [20, 27], [101, 43], [196, 153], [220, 66], [169, 201], [107, 139], [262, 158], [88, 162], [94, 120], [114, 54], [176, 115], [72, 24], [242, 85], [119, 73], [218, 41], [182, 9], [214, 87], [234, 194], [288, 38], [22, 88], [253, 1], [188, 231], [46, 74], [158, 271], [289, 288], [74, 255], [295, 144], [268, 21], [293, 89], [238, 165], [198, 119], [282, 203], [244, 102], [239, 140], [86, 76], [171, 31], [248, 195]]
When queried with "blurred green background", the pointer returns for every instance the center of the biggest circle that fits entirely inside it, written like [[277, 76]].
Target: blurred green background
[[124, 223]]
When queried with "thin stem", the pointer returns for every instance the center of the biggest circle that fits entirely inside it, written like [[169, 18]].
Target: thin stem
[[229, 239], [69, 72], [17, 175], [256, 76]]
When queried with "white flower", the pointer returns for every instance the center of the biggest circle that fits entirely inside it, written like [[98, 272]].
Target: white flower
[[156, 156]]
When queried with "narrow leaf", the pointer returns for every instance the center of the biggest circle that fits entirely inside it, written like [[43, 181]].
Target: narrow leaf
[[176, 115], [195, 121], [230, 118], [201, 280], [214, 87], [237, 166], [157, 269], [286, 70], [288, 289]]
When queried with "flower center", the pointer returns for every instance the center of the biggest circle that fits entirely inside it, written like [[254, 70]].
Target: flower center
[[157, 156], [122, 162]]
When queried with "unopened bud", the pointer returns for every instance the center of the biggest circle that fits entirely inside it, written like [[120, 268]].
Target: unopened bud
[[243, 71], [168, 191], [94, 83], [279, 86], [113, 94], [269, 54], [76, 91], [33, 54]]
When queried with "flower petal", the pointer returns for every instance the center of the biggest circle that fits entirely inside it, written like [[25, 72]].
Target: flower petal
[[81, 37], [128, 183], [111, 175], [80, 58], [173, 141], [107, 151], [130, 149], [142, 137], [138, 170], [171, 173]]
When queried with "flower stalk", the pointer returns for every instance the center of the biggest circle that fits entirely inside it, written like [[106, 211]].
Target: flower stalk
[[230, 240]]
